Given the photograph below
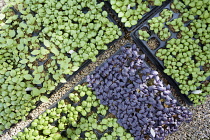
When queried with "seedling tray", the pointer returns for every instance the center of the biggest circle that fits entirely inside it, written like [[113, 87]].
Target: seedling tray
[[153, 9], [67, 77], [67, 99], [87, 62], [128, 45], [151, 52], [100, 117]]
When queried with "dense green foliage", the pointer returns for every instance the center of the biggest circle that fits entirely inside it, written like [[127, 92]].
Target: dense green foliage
[[130, 11], [41, 43], [157, 25], [68, 121], [187, 57]]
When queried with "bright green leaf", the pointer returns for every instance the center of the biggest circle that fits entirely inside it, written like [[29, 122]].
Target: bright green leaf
[[40, 68], [35, 52], [36, 81], [35, 92], [75, 68], [20, 47], [10, 41], [63, 80], [23, 61], [56, 76], [47, 43], [2, 16], [12, 73], [51, 87], [12, 33], [55, 51], [31, 59], [43, 90], [28, 77], [15, 79], [44, 51], [44, 99]]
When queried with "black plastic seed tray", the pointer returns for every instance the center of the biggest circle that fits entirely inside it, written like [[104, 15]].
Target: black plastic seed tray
[[67, 99], [100, 117], [144, 63], [67, 77], [153, 9], [87, 62], [151, 52]]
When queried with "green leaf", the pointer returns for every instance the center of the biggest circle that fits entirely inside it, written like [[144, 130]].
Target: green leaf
[[44, 99], [75, 68], [63, 80], [2, 16], [10, 41], [22, 84], [40, 68], [23, 61], [36, 81], [12, 115], [12, 73], [12, 33], [23, 25], [44, 51], [20, 7], [119, 129], [31, 59], [20, 47], [28, 77], [68, 71], [47, 43], [46, 132], [55, 51], [53, 63], [27, 97], [53, 57], [20, 33], [35, 92], [29, 31], [35, 52], [85, 56], [10, 88], [43, 90], [56, 76], [51, 87], [2, 39], [15, 79]]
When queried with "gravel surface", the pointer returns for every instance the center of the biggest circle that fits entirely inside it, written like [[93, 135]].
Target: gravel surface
[[198, 129]]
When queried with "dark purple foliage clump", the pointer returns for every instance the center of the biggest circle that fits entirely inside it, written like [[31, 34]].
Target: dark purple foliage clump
[[136, 96]]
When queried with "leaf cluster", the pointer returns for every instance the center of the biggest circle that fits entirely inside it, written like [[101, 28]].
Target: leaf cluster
[[185, 58], [130, 11], [75, 122]]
